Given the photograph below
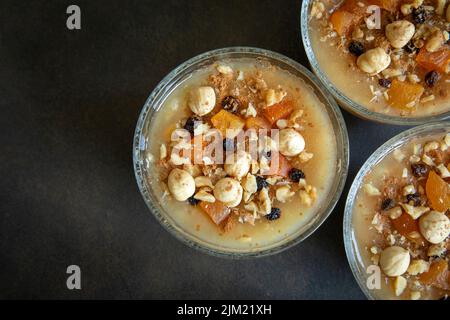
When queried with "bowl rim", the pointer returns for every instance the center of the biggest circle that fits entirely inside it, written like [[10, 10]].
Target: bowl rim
[[344, 101], [332, 109], [378, 155]]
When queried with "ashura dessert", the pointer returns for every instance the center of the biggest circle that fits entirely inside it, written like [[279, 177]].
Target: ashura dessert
[[242, 155], [401, 220], [390, 56]]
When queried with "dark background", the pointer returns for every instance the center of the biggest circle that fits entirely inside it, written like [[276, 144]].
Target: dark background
[[69, 102]]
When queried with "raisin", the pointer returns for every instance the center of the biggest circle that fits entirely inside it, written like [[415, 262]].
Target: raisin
[[274, 214], [267, 154], [385, 83], [414, 198], [387, 204], [261, 183], [419, 15], [356, 48], [419, 169], [228, 145], [231, 103], [296, 174], [431, 78], [192, 201], [191, 124], [411, 48]]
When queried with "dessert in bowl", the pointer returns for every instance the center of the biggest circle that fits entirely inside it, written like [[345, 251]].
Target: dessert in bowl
[[240, 152], [386, 61], [396, 222]]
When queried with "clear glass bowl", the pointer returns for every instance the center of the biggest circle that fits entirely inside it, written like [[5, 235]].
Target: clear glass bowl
[[351, 245], [344, 101], [181, 74]]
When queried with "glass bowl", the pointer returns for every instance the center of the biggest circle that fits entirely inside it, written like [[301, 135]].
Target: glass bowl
[[344, 101], [177, 77], [351, 246]]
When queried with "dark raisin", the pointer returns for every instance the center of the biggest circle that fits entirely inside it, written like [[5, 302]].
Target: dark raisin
[[191, 124], [356, 48], [419, 169], [231, 103], [410, 47], [192, 201], [385, 83], [431, 78], [296, 174], [267, 154], [414, 198], [228, 145], [387, 204], [419, 15], [274, 214], [261, 183]]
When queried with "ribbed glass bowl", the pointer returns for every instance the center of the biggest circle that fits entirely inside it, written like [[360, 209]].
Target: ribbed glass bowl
[[177, 77], [344, 101], [351, 246]]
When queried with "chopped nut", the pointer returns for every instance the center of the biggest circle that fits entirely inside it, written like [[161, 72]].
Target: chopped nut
[[251, 206], [395, 213], [399, 33], [274, 96], [305, 156], [203, 181], [317, 9], [193, 169], [284, 193], [357, 33], [435, 41], [414, 212], [162, 151], [202, 195], [427, 98], [418, 266], [436, 250], [445, 173], [415, 295], [409, 189], [433, 145], [249, 183], [264, 200], [282, 123], [371, 190], [427, 160], [224, 69], [399, 285]]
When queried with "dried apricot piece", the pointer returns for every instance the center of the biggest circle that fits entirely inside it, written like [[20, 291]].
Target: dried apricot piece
[[438, 275], [281, 169], [408, 227], [278, 111], [225, 120], [343, 21], [389, 5], [438, 60], [257, 123], [404, 94], [217, 211], [438, 192]]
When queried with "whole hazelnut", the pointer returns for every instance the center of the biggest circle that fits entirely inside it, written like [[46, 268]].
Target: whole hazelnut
[[229, 191], [291, 142], [202, 100], [374, 61], [434, 226], [394, 261], [181, 184]]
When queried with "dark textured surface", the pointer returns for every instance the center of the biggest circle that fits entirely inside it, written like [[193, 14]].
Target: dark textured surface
[[69, 104]]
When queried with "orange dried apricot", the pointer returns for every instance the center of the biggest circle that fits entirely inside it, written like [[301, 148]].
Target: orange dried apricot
[[278, 111], [225, 120], [438, 192], [349, 14], [438, 275], [217, 211], [438, 60], [408, 227], [257, 123], [404, 94], [389, 5]]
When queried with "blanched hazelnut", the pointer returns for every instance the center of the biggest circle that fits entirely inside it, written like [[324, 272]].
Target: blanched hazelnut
[[240, 166], [394, 261], [374, 61], [181, 184], [202, 100], [434, 226], [291, 142], [399, 33], [228, 191]]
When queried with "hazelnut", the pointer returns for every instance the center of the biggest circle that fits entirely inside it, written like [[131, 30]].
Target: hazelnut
[[374, 61], [435, 42], [181, 184], [240, 165], [434, 226], [291, 142], [228, 191], [202, 100], [394, 261], [399, 33]]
